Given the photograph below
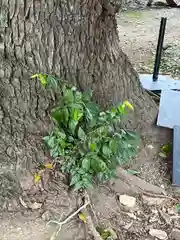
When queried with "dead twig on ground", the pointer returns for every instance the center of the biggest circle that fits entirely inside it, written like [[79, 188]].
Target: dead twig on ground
[[92, 228], [61, 223], [91, 206], [158, 196], [71, 216], [89, 220]]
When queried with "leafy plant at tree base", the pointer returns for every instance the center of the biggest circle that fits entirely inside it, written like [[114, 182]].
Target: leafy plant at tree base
[[85, 138]]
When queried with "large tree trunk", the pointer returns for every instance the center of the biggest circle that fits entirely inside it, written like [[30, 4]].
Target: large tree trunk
[[76, 40]]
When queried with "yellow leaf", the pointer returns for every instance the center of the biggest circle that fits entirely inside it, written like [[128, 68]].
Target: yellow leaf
[[167, 148], [49, 165], [128, 105], [37, 177], [43, 79], [82, 216], [35, 75]]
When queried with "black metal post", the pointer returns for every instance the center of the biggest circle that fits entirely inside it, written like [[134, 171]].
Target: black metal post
[[159, 48]]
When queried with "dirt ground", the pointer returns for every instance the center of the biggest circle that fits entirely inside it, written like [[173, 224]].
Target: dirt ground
[[138, 31]]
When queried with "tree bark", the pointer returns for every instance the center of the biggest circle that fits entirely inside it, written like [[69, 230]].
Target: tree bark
[[76, 40]]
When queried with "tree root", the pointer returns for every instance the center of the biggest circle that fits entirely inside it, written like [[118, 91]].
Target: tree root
[[61, 223], [135, 185], [89, 220], [92, 228]]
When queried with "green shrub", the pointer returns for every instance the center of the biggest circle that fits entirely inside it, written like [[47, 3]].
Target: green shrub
[[86, 139]]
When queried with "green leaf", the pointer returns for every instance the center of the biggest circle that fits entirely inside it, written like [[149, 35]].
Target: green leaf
[[102, 131], [78, 186], [51, 141], [93, 147], [98, 165], [113, 145], [121, 109], [77, 114], [81, 134], [54, 152], [162, 155], [56, 114], [113, 112], [81, 171], [78, 96], [87, 96], [93, 108], [74, 179], [61, 115], [166, 149], [52, 81], [87, 183], [65, 114], [68, 96], [70, 139], [106, 150], [86, 163], [62, 143], [61, 135], [72, 126], [46, 138]]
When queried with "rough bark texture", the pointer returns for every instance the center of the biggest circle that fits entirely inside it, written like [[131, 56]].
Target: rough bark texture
[[74, 39]]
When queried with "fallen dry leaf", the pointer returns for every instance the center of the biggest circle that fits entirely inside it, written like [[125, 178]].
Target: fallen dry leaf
[[37, 177], [49, 165]]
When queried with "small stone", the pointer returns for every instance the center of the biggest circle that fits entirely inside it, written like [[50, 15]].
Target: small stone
[[1, 73], [171, 211], [158, 233], [153, 219], [175, 234], [128, 226], [35, 205], [155, 211], [164, 209], [131, 215], [46, 216], [127, 201], [150, 201]]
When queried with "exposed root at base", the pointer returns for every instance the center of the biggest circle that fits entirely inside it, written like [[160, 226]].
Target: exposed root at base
[[89, 220]]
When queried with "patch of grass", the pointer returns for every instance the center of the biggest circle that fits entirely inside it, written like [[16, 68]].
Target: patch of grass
[[134, 14]]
